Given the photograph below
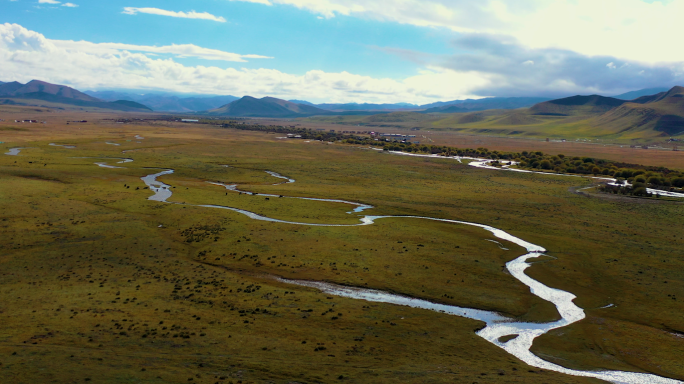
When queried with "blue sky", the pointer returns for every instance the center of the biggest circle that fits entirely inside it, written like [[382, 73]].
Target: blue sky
[[298, 40], [344, 50]]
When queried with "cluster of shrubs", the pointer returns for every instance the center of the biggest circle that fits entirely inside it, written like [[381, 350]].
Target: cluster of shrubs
[[636, 189], [637, 176]]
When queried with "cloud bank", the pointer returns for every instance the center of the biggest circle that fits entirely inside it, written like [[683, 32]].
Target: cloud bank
[[484, 65], [25, 55]]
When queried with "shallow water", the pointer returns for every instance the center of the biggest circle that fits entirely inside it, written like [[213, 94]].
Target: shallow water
[[105, 165], [65, 146], [497, 325], [278, 175], [231, 187], [14, 151], [162, 192]]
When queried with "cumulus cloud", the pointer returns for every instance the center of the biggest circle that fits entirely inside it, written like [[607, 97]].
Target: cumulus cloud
[[627, 29], [48, 2], [25, 55], [163, 12], [70, 5]]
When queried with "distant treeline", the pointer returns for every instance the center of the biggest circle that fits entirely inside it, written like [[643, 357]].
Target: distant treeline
[[657, 177]]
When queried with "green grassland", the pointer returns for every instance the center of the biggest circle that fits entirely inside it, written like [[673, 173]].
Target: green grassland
[[631, 123], [100, 284]]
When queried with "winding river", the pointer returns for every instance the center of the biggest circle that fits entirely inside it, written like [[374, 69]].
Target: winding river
[[497, 325]]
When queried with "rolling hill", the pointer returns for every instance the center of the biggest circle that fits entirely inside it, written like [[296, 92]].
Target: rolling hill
[[663, 113], [37, 87], [576, 105], [644, 118], [266, 107], [36, 91]]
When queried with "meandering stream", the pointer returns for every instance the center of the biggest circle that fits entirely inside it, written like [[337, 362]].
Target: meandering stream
[[497, 325]]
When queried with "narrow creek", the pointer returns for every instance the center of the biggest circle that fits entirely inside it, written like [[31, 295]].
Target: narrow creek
[[519, 335]]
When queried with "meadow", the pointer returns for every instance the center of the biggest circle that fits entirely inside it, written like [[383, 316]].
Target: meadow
[[99, 284]]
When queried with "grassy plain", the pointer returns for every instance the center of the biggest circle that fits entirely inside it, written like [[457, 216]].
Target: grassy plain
[[99, 284], [576, 145]]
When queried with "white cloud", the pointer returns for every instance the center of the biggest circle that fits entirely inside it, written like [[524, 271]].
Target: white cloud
[[633, 30], [178, 50], [528, 62], [611, 65], [48, 2], [26, 55], [70, 5], [162, 12], [264, 2]]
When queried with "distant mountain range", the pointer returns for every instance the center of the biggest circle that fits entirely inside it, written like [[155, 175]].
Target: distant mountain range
[[167, 102], [658, 101], [276, 108], [485, 104], [23, 94], [657, 115], [266, 107], [642, 92], [454, 106], [360, 107]]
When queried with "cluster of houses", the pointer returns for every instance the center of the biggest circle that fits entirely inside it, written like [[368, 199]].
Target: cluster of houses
[[27, 121], [397, 136]]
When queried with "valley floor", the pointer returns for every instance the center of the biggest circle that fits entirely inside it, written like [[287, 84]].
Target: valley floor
[[100, 284]]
